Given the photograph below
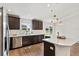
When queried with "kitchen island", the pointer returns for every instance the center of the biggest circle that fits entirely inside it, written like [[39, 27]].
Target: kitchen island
[[60, 47]]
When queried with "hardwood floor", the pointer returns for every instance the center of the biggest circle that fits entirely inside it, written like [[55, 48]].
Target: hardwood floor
[[33, 50], [75, 50], [38, 50]]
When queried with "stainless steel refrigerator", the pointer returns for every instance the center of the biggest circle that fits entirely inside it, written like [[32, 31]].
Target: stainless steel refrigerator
[[1, 32], [4, 32]]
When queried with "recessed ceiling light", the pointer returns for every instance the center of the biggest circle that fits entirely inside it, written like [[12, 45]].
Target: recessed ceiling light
[[48, 5]]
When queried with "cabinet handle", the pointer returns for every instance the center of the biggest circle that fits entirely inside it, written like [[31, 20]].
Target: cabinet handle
[[51, 48]]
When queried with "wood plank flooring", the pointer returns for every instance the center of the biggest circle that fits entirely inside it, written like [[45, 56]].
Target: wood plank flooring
[[75, 50], [33, 50], [38, 50]]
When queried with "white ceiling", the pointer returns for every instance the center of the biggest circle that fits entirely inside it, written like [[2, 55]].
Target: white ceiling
[[42, 11]]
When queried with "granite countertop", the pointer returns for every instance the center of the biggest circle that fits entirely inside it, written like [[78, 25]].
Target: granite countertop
[[24, 35], [20, 33], [62, 42]]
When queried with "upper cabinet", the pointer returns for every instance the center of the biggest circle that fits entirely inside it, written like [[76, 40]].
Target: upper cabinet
[[37, 24], [14, 22]]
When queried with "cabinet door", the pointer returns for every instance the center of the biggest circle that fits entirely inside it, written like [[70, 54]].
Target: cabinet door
[[49, 49], [40, 25], [37, 25], [34, 24], [26, 40], [17, 42], [40, 38], [35, 39], [14, 22], [29, 40]]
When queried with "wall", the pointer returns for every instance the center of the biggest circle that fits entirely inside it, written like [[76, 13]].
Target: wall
[[29, 23], [70, 26], [21, 32], [26, 22]]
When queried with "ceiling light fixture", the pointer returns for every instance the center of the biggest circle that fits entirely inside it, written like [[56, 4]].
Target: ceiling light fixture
[[48, 5]]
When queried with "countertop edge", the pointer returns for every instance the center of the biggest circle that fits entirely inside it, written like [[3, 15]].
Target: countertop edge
[[60, 43]]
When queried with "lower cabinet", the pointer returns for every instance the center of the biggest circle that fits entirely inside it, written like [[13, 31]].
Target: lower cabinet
[[26, 40], [16, 42], [29, 40], [49, 49]]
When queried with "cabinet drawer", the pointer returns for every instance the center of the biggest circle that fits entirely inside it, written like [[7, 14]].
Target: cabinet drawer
[[49, 49]]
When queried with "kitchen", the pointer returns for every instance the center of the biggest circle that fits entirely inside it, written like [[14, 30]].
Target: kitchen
[[44, 29]]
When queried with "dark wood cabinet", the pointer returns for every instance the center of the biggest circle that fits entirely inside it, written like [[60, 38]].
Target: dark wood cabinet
[[14, 22], [35, 39], [11, 43], [40, 25], [29, 40], [37, 24], [34, 24], [49, 49], [40, 38], [26, 40]]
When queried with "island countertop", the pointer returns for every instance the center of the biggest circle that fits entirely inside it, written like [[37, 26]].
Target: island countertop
[[62, 42]]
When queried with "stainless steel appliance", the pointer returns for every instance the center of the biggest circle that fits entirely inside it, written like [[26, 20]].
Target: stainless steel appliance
[[1, 32], [4, 32]]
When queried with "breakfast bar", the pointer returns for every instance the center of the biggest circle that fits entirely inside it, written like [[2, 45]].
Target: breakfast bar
[[61, 47]]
